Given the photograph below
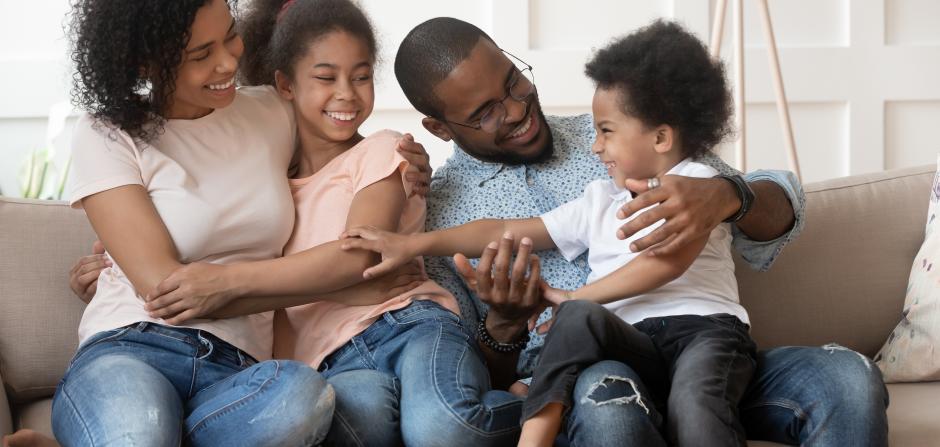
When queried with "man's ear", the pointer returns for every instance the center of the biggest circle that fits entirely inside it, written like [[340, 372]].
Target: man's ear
[[283, 85], [437, 128], [665, 139]]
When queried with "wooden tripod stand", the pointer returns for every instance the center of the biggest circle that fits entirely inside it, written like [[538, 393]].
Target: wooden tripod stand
[[783, 111]]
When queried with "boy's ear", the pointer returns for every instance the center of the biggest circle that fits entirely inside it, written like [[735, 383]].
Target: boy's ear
[[437, 128], [283, 85], [665, 138]]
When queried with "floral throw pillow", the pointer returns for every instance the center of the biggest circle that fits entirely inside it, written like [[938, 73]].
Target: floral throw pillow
[[912, 352]]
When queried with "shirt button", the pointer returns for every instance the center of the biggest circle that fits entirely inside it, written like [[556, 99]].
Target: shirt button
[[530, 181]]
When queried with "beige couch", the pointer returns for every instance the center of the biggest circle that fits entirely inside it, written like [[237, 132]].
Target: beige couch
[[842, 281]]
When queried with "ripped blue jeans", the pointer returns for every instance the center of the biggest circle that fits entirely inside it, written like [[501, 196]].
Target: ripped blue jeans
[[811, 396], [152, 385]]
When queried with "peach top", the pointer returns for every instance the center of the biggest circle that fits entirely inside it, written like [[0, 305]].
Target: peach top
[[322, 201]]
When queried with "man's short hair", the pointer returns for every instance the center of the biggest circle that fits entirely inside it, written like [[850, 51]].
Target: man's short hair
[[427, 56]]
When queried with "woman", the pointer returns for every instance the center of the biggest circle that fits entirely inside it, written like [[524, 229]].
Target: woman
[[174, 165]]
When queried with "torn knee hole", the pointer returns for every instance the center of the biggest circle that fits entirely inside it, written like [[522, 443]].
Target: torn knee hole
[[614, 390]]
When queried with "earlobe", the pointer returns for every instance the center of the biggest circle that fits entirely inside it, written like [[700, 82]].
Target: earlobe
[[283, 86], [437, 128]]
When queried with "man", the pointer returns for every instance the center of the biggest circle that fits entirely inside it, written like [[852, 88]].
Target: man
[[511, 161]]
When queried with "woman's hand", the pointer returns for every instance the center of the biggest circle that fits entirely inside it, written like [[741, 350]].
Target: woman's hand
[[83, 278], [395, 248], [419, 169], [401, 280], [192, 291]]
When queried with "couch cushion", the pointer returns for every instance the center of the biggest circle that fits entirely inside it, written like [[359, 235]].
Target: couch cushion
[[40, 241], [843, 279], [912, 414], [910, 355], [37, 416]]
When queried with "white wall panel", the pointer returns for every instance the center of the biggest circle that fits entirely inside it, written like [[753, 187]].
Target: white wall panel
[[862, 75], [820, 130], [912, 22], [910, 133], [565, 25]]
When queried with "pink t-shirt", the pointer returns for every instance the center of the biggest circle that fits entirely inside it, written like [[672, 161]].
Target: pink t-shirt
[[218, 183], [311, 332]]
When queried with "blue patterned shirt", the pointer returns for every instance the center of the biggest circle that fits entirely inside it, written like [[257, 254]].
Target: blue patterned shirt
[[467, 189]]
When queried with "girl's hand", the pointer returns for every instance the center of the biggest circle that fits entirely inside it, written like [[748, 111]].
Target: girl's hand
[[192, 291], [393, 247], [419, 169]]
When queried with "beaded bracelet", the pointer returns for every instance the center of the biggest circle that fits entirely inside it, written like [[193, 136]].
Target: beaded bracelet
[[504, 348]]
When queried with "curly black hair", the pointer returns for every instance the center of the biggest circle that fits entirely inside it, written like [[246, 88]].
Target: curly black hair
[[276, 37], [127, 55], [666, 76]]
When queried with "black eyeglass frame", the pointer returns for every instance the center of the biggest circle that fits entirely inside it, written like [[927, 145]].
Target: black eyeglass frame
[[500, 104]]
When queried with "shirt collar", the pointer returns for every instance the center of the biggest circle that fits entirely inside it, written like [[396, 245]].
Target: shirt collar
[[480, 170]]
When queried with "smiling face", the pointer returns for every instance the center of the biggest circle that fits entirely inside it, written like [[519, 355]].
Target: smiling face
[[206, 79], [628, 147], [479, 82], [332, 88]]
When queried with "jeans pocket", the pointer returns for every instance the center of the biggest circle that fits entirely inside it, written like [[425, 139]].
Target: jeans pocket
[[97, 339]]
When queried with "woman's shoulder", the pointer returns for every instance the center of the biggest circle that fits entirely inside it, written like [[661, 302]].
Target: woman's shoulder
[[90, 131]]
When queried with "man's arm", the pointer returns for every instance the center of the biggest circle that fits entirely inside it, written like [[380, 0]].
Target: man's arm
[[692, 207]]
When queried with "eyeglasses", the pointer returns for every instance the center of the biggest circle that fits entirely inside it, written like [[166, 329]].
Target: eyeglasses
[[520, 88]]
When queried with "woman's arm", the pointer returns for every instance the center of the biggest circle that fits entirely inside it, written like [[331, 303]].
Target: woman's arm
[[126, 221], [201, 289], [327, 268], [469, 239]]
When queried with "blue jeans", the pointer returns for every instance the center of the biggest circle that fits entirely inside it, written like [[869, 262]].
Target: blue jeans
[[152, 385], [416, 377], [799, 395]]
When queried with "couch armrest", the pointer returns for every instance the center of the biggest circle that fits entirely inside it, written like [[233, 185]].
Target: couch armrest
[[6, 421]]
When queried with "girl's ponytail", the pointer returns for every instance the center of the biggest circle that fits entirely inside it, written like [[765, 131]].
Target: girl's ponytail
[[257, 28]]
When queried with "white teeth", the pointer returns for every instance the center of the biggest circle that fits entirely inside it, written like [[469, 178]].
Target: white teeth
[[222, 86], [523, 129], [342, 116]]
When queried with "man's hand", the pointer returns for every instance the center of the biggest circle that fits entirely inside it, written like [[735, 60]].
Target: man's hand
[[192, 291], [692, 208], [419, 169], [83, 278], [512, 295]]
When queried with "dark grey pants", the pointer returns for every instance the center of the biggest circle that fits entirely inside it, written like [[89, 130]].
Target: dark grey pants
[[696, 367]]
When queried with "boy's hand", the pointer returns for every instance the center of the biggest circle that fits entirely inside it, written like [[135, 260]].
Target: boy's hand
[[553, 298], [393, 247]]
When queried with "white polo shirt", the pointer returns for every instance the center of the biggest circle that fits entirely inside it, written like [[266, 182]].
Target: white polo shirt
[[590, 223]]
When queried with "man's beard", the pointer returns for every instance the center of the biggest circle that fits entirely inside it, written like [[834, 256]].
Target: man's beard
[[511, 158]]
